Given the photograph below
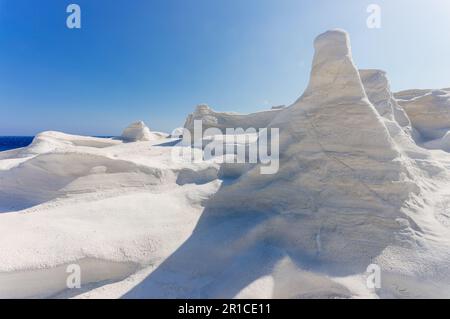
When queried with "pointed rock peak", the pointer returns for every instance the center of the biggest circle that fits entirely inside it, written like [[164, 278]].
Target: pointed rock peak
[[334, 114], [333, 43], [334, 75]]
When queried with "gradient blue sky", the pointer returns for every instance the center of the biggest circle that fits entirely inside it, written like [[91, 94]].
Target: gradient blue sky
[[156, 59]]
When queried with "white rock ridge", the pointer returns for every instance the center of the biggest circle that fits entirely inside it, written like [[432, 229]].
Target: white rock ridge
[[53, 141], [223, 120], [428, 110]]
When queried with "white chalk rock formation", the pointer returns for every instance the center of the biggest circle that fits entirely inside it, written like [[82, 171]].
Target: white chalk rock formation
[[347, 195], [428, 110], [376, 85], [52, 141], [342, 183], [138, 131], [223, 120]]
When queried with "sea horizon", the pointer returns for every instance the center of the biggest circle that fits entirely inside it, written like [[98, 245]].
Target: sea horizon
[[11, 142]]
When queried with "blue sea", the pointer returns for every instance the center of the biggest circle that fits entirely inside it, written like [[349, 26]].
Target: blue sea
[[11, 142]]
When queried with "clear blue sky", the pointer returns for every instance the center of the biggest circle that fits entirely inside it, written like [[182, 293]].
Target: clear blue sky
[[156, 59]]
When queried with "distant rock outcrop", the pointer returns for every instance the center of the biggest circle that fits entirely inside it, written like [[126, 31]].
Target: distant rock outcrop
[[222, 120], [138, 131]]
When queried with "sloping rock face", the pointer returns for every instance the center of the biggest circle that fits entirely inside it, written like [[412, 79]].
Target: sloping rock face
[[428, 110], [220, 120], [376, 85], [342, 182], [138, 131]]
